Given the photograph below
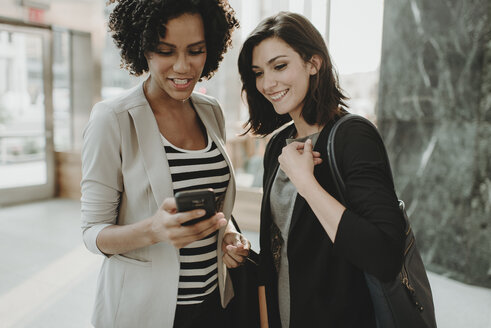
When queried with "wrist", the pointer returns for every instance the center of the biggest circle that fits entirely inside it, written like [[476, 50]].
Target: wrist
[[152, 230], [307, 186]]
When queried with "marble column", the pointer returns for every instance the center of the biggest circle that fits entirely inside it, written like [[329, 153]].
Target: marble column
[[434, 112]]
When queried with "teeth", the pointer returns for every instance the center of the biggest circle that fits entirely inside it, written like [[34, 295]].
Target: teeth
[[180, 81], [279, 95]]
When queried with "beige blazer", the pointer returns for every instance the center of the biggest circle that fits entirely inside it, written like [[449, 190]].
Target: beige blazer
[[125, 177]]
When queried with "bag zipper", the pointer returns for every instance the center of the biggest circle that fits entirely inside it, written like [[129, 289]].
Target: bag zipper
[[405, 280]]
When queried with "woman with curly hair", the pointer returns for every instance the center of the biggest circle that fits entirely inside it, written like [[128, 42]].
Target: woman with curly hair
[[144, 146], [314, 250]]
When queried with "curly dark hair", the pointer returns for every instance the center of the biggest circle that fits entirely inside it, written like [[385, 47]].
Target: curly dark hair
[[324, 99], [137, 26]]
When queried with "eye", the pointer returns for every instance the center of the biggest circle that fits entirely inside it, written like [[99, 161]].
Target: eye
[[196, 52], [165, 52], [279, 67], [257, 73]]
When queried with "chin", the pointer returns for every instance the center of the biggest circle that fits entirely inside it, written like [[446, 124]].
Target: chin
[[282, 111], [182, 96]]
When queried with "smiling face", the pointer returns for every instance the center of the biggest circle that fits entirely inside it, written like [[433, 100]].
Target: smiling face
[[282, 76], [176, 65]]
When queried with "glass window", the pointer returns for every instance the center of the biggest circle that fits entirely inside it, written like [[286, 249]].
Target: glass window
[[62, 107], [22, 110], [355, 45], [114, 78]]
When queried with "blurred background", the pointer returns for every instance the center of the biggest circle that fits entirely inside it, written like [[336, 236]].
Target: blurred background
[[419, 69]]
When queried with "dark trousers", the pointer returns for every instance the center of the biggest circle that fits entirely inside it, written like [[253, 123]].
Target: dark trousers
[[209, 313]]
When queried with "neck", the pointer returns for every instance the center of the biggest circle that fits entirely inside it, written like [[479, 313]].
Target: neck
[[304, 129], [159, 100]]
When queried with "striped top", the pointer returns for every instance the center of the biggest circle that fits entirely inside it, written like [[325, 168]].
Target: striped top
[[191, 170]]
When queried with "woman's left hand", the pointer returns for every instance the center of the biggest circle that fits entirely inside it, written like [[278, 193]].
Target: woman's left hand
[[235, 249]]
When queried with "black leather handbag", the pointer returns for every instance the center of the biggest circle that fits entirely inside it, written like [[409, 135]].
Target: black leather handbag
[[244, 307], [406, 301]]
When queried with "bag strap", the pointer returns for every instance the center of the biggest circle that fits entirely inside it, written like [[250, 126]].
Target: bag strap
[[253, 256], [331, 156], [236, 225]]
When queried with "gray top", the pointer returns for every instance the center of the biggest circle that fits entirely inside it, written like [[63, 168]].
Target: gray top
[[282, 199]]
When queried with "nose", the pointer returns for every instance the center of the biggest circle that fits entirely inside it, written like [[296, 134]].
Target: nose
[[181, 65], [268, 82]]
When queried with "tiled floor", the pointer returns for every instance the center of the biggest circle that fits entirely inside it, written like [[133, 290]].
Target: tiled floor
[[47, 277]]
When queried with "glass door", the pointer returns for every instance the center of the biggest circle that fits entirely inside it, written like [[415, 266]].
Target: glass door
[[26, 131]]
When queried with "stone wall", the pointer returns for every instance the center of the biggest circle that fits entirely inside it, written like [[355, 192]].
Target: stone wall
[[434, 112]]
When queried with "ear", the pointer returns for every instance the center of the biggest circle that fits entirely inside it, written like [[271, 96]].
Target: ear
[[315, 64]]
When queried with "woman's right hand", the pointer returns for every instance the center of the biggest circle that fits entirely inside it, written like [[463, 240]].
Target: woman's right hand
[[167, 224], [297, 160]]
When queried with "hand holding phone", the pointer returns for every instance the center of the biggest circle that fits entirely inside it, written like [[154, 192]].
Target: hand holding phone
[[196, 199]]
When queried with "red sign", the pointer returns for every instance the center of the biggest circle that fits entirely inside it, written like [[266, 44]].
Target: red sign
[[36, 15]]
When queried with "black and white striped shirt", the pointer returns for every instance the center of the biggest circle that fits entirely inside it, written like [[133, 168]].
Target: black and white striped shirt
[[191, 170]]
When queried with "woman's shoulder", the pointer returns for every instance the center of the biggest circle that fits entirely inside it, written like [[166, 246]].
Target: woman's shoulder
[[106, 114], [124, 101], [358, 140], [356, 129], [279, 136]]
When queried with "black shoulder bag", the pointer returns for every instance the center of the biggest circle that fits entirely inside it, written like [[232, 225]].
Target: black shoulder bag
[[244, 307], [406, 301]]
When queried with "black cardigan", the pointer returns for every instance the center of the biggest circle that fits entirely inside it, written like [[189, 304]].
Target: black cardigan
[[327, 285]]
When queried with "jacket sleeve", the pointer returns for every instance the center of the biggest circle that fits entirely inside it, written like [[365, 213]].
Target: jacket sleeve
[[371, 230], [102, 183]]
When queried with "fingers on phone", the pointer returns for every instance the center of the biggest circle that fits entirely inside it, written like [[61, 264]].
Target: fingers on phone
[[191, 215], [204, 228], [169, 205]]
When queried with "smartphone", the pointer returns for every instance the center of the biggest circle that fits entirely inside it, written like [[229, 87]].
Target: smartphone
[[196, 199]]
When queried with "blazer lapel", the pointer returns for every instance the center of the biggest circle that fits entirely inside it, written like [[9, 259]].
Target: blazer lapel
[[159, 177], [207, 116], [153, 153]]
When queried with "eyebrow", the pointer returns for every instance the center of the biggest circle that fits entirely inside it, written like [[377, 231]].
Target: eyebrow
[[271, 60], [199, 43]]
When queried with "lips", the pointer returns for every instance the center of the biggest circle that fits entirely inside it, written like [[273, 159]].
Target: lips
[[278, 95], [181, 83]]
